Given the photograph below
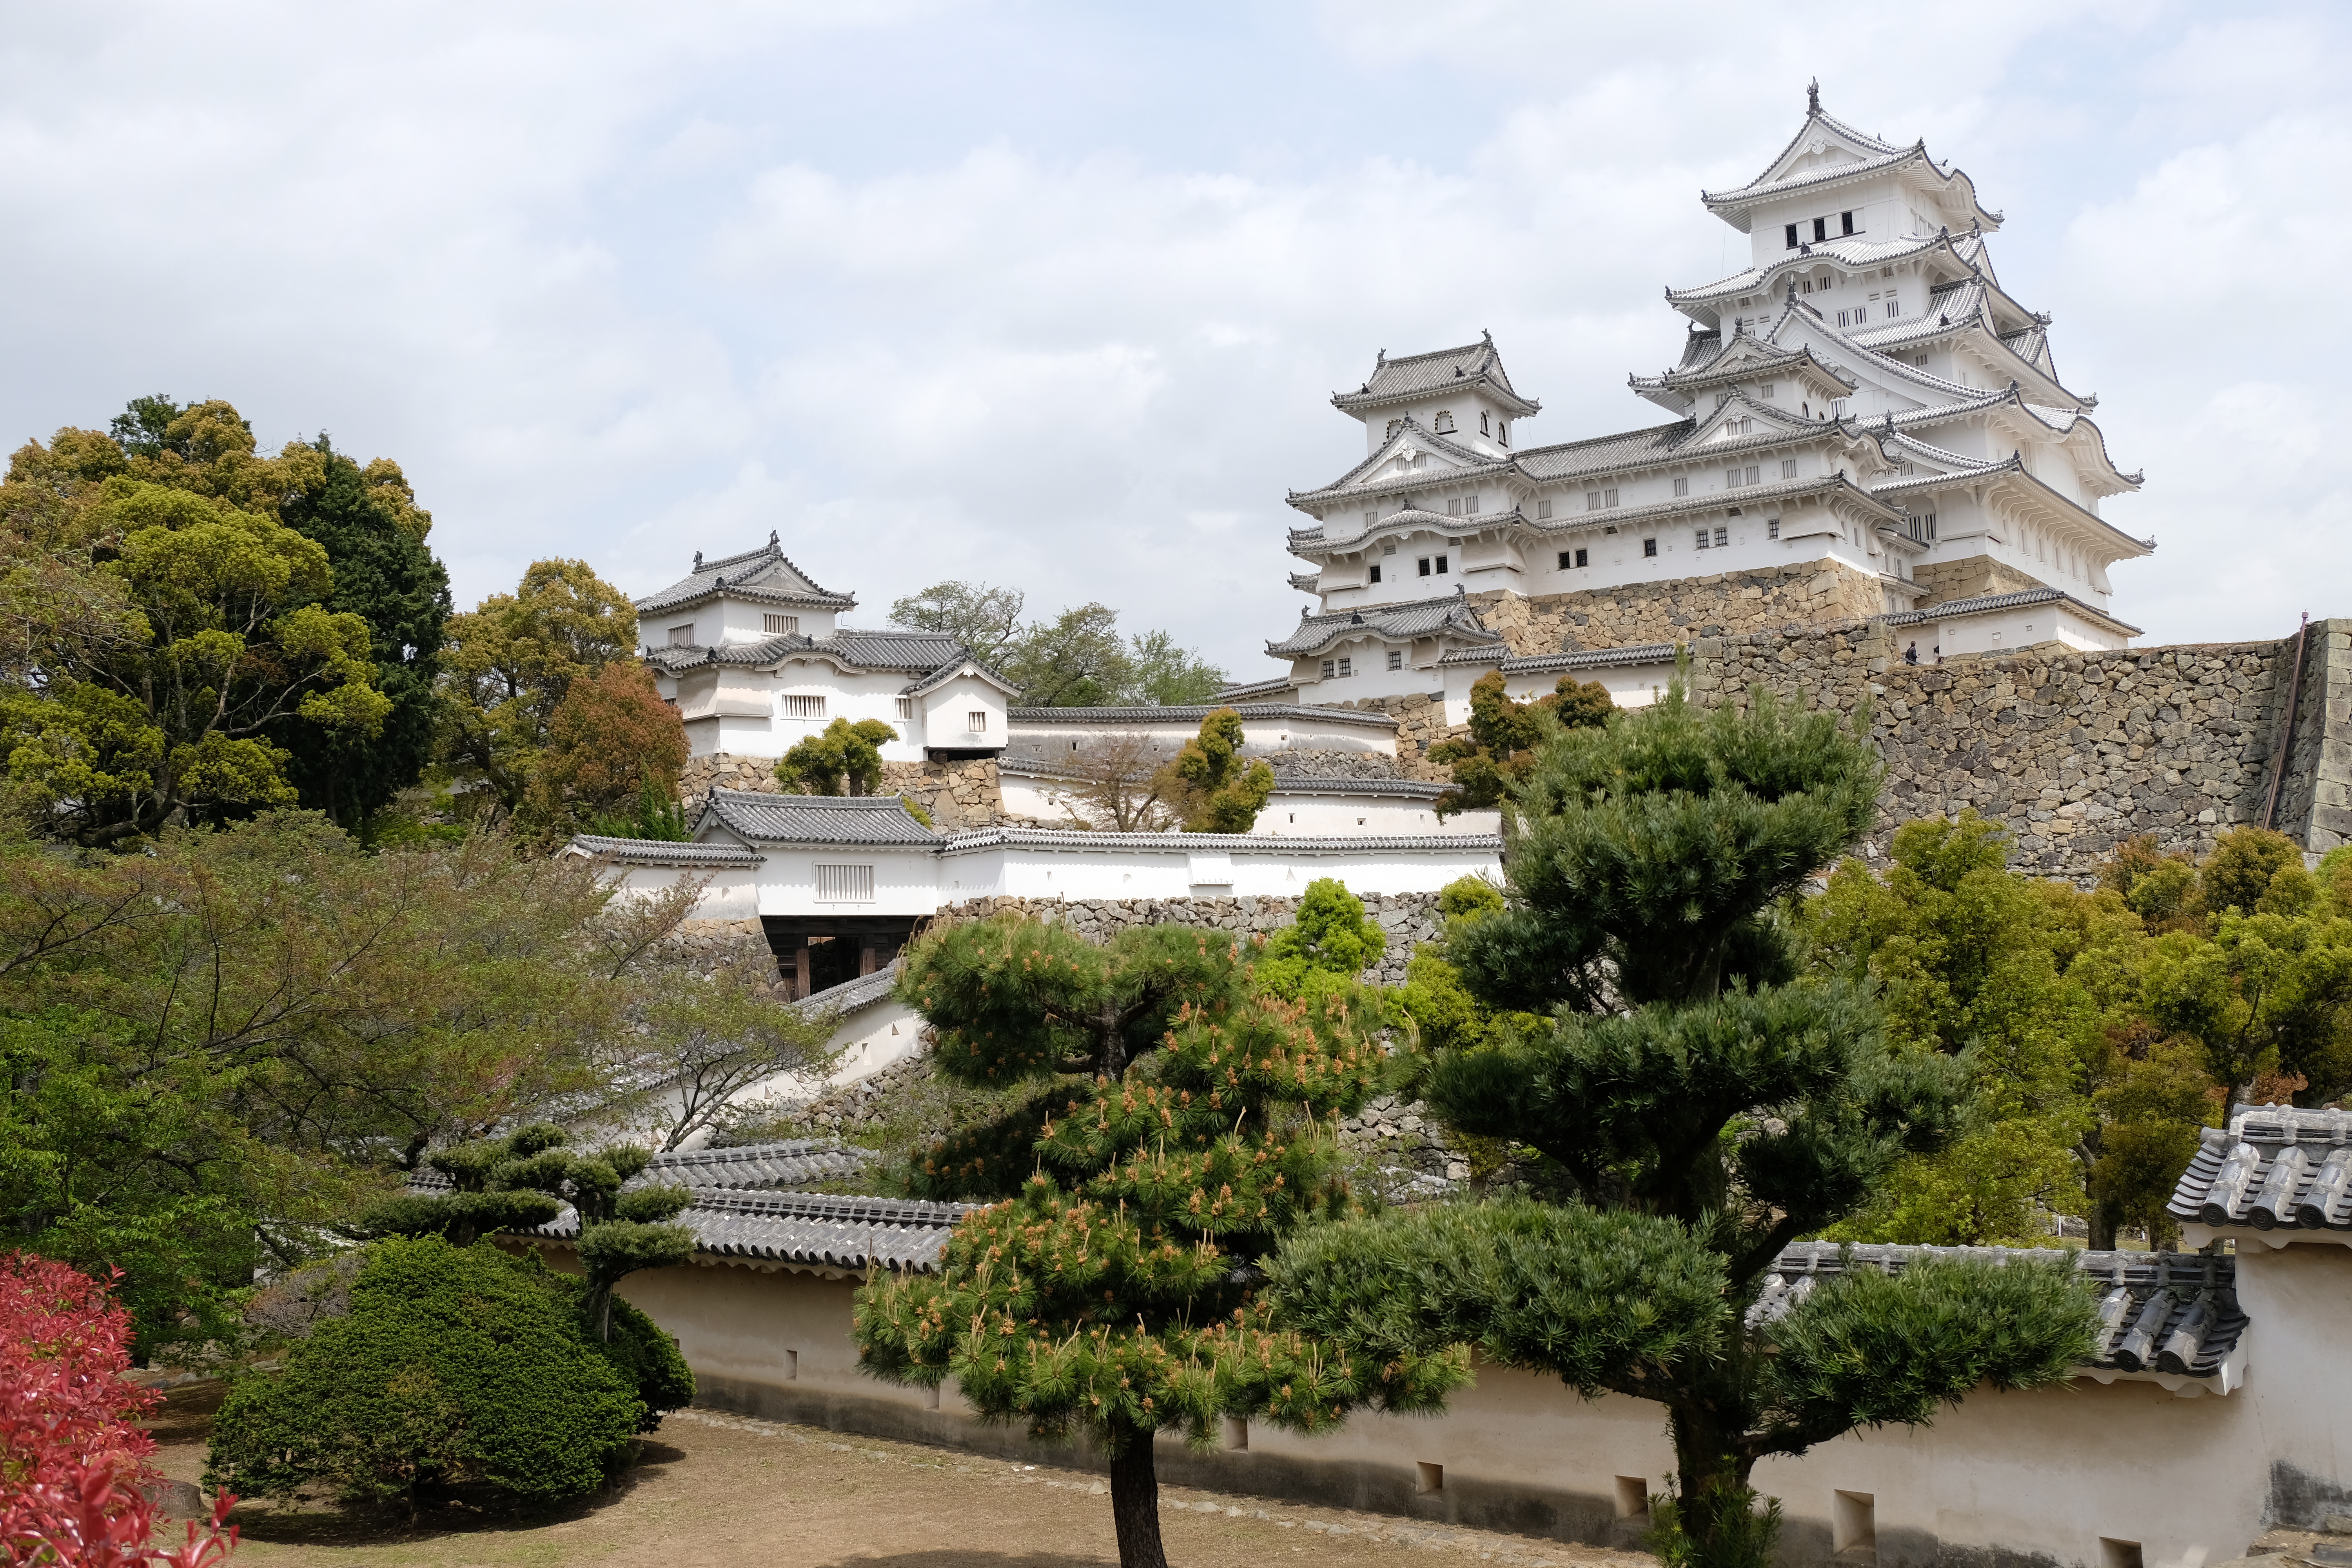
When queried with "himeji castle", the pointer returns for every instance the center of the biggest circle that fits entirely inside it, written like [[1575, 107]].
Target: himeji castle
[[1865, 424]]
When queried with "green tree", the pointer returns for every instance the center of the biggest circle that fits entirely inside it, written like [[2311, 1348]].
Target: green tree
[[231, 638], [1077, 659], [1173, 1139], [1444, 1013], [1325, 948], [373, 534], [1501, 746], [1214, 788], [1693, 1109], [1164, 674], [985, 619], [457, 1373], [509, 663], [846, 759], [612, 745]]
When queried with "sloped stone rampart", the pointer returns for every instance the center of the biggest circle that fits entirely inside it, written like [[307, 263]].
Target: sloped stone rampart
[[1725, 604], [1406, 918]]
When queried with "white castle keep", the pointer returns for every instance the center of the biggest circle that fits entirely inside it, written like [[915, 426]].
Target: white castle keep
[[1862, 410]]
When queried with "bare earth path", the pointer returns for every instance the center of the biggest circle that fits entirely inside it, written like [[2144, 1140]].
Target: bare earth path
[[720, 1489]]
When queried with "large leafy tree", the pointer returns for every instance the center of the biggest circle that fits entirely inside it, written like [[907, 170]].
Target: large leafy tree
[[611, 743], [1173, 1137], [1076, 659], [1690, 1109], [509, 663], [368, 522]]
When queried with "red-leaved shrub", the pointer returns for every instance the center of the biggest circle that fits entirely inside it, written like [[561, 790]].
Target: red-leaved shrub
[[71, 1454]]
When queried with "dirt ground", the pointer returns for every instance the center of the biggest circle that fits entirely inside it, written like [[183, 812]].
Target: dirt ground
[[717, 1489]]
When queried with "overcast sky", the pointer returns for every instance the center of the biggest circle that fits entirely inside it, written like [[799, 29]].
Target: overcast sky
[[1055, 296]]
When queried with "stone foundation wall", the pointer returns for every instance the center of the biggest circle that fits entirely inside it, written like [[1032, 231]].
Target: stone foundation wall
[[702, 948], [1407, 919], [1729, 604], [1303, 763], [2314, 798], [1971, 578], [2074, 751], [1421, 724], [958, 796]]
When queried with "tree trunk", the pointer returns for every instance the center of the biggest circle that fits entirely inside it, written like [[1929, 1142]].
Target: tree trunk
[[1717, 1505], [1135, 1499], [2100, 1226]]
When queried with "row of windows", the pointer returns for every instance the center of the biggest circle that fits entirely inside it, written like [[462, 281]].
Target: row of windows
[[1442, 422], [1859, 316], [798, 706], [1344, 666], [1427, 566], [1704, 538], [769, 625], [1820, 229]]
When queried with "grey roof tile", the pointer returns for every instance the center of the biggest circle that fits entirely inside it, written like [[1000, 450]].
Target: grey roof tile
[[764, 576], [1604, 454], [812, 1229], [1453, 615], [850, 996], [661, 852], [864, 820], [1418, 375], [1225, 842], [1382, 789], [787, 1163], [2172, 1312], [1366, 718], [1242, 691], [2272, 1168], [1582, 658], [1952, 609]]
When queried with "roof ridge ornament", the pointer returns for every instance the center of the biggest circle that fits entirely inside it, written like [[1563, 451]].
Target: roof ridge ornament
[[772, 539], [698, 561], [1813, 98]]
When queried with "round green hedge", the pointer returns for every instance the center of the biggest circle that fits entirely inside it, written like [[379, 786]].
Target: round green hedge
[[457, 1371]]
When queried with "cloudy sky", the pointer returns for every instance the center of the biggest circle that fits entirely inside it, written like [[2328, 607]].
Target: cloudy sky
[[1055, 295]]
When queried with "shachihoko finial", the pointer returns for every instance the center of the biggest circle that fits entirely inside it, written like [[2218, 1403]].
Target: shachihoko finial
[[1814, 96], [698, 561]]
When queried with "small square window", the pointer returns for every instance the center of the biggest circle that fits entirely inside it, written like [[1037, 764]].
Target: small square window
[[1731, 478], [1787, 468], [1722, 537], [1441, 565], [772, 625], [1752, 470], [1566, 559], [1330, 668], [1649, 547], [1453, 506], [1423, 563], [1702, 538], [1608, 498], [1592, 501], [1470, 506], [1792, 236], [1582, 557], [1543, 509], [1767, 388], [1376, 572], [1396, 658], [1771, 528], [1682, 484], [1372, 520], [1845, 223], [1822, 228], [976, 721], [681, 636], [906, 708], [1347, 668]]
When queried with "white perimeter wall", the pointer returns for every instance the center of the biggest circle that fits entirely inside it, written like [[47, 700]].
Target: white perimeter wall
[[1629, 684], [1282, 870]]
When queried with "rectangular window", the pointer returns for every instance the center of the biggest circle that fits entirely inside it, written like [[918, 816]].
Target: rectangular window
[[1821, 229], [1330, 668], [1841, 317], [1566, 559], [1649, 547], [1453, 506], [906, 708], [1347, 668], [1424, 564], [681, 636], [1767, 388], [1470, 506], [1792, 236], [1582, 558], [844, 884], [1388, 550], [976, 721], [1752, 471], [1702, 538], [1441, 565], [1543, 509], [773, 624], [1787, 468], [1771, 528], [1396, 658], [1376, 572], [1682, 485], [1731, 478], [803, 707], [1845, 223], [1608, 498], [1722, 537], [1592, 501], [1371, 519]]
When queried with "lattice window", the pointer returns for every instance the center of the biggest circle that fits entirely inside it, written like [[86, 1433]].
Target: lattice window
[[844, 884], [797, 707]]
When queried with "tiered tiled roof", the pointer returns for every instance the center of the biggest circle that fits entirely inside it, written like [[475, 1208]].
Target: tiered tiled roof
[[1452, 617], [2273, 1168], [762, 576], [1559, 663], [1992, 604], [2172, 1313], [1418, 375], [879, 821], [785, 1164]]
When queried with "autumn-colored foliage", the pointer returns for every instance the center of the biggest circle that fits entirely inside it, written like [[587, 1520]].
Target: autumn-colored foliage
[[71, 1456]]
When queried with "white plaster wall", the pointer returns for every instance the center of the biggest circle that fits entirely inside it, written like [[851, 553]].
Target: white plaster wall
[[905, 881], [730, 893], [1629, 684], [1260, 737], [944, 715], [1289, 814], [1145, 870], [2008, 630]]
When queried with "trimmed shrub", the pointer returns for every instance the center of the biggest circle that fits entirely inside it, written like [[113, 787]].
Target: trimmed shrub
[[459, 1371]]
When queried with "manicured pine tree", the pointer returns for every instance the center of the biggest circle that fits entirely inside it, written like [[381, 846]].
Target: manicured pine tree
[[1179, 1128], [1689, 1111]]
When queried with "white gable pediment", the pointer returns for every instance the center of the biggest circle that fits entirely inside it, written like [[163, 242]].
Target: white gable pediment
[[1409, 456]]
